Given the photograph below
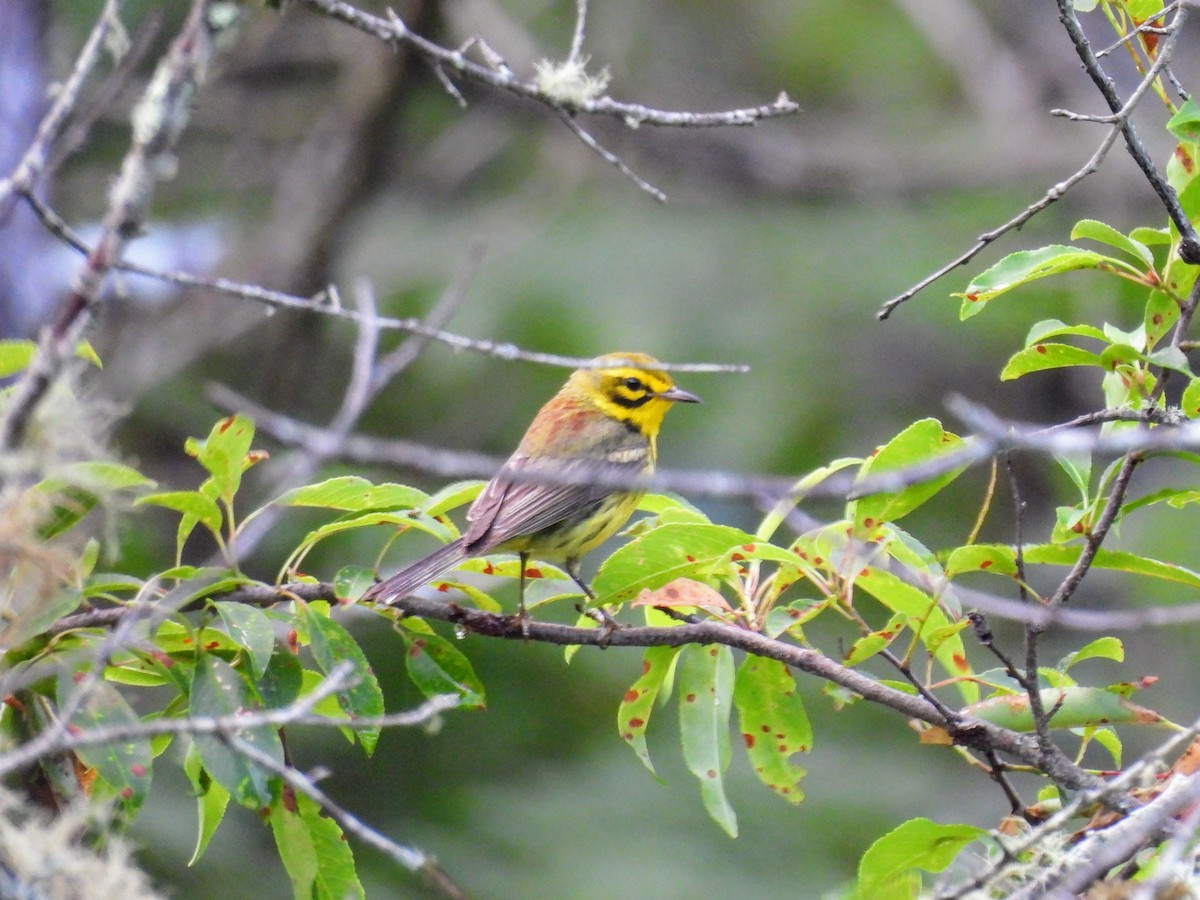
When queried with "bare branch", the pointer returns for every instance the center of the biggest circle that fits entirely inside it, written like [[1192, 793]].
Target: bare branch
[[393, 30], [25, 175]]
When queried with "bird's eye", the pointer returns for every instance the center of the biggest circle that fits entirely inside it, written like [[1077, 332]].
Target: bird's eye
[[634, 385]]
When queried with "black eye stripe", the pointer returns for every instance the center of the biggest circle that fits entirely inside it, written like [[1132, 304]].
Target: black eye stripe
[[630, 402]]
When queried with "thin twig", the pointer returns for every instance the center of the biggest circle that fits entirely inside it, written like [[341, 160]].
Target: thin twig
[[25, 175]]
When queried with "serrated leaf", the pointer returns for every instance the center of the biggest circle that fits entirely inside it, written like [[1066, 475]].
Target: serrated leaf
[[350, 493], [920, 442], [438, 667], [211, 802], [251, 629], [1023, 267], [124, 764], [218, 690], [774, 724], [333, 645], [1044, 356], [280, 684], [314, 851], [1094, 230], [705, 681], [633, 715], [916, 844]]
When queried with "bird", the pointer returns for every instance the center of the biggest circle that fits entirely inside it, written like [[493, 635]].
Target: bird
[[554, 499]]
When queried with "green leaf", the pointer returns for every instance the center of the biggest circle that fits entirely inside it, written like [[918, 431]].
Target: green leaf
[[438, 667], [1048, 328], [1185, 124], [705, 680], [452, 496], [281, 682], [124, 764], [314, 851], [211, 802], [916, 605], [1072, 706], [870, 644], [1162, 312], [192, 504], [218, 690], [15, 356], [1119, 560], [1044, 356], [1101, 648], [1025, 266], [332, 645], [1151, 237], [351, 493], [85, 351], [351, 582], [225, 453], [663, 554], [774, 724], [252, 629], [917, 844], [633, 715], [1106, 234], [1190, 403], [920, 442]]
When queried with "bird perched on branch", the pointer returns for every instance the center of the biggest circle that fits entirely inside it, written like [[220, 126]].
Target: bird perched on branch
[[559, 496]]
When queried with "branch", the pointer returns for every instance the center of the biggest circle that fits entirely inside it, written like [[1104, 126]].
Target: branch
[[1120, 120], [394, 31], [1189, 242], [158, 122], [25, 175], [964, 730]]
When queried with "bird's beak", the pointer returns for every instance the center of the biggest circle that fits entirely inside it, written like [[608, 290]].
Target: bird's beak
[[678, 395]]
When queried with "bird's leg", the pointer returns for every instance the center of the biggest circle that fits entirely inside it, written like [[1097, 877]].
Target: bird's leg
[[522, 615], [599, 614]]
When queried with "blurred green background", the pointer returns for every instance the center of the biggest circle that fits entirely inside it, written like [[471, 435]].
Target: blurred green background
[[317, 154]]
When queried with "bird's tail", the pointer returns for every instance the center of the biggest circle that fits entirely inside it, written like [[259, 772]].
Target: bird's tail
[[419, 573]]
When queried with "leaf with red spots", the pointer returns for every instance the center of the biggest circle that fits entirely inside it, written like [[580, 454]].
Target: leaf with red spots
[[705, 681], [1047, 355], [1072, 706], [686, 594], [314, 850], [333, 645], [689, 550], [887, 868], [350, 493], [995, 559], [922, 442], [774, 724], [633, 715], [438, 667], [225, 453], [1025, 266], [1162, 312], [123, 764], [218, 690], [870, 644], [919, 607]]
